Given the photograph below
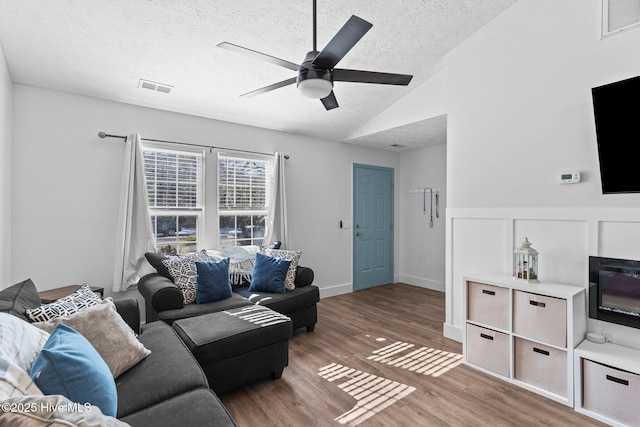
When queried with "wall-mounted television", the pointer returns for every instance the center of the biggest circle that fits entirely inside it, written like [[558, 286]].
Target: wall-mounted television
[[618, 134], [614, 290]]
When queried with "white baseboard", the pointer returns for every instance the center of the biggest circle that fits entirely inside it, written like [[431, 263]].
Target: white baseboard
[[332, 291], [422, 283], [452, 332]]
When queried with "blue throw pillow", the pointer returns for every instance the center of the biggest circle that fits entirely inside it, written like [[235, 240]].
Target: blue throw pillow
[[69, 365], [269, 274], [212, 281]]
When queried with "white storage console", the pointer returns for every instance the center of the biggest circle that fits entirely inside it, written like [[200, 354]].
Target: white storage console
[[607, 383], [524, 333]]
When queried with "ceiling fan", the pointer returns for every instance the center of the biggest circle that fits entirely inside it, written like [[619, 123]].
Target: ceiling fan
[[316, 74]]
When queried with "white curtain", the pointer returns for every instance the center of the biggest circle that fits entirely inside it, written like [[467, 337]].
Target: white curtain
[[276, 229], [134, 236]]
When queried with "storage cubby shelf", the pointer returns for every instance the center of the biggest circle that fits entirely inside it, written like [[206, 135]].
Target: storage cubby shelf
[[607, 383], [524, 333]]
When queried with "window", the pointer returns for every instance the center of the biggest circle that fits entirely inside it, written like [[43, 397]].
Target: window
[[174, 187], [243, 200]]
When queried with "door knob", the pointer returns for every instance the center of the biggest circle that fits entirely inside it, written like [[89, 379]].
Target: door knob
[[357, 233]]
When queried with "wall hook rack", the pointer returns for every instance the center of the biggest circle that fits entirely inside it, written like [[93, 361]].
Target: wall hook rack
[[432, 191]]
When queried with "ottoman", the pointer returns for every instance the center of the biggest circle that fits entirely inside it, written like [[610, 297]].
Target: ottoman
[[238, 346]]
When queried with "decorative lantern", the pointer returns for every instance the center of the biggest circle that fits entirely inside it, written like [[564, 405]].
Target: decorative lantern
[[525, 262]]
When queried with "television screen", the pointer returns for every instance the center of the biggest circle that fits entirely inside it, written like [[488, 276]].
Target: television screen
[[618, 135]]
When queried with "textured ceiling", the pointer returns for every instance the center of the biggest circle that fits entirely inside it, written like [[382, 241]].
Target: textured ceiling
[[425, 133], [101, 48]]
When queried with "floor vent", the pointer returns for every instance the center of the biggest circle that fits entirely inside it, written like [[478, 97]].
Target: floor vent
[[619, 16], [158, 87]]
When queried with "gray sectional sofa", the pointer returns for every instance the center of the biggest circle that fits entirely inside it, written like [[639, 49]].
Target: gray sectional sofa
[[166, 388]]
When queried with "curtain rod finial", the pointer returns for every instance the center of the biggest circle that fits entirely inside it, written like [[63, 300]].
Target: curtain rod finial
[[102, 134], [286, 156]]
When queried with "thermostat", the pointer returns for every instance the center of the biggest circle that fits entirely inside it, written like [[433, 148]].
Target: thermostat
[[570, 177]]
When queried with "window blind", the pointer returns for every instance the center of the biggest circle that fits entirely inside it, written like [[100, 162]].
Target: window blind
[[243, 184], [174, 179]]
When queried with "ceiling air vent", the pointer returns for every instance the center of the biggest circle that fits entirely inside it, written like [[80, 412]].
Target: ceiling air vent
[[619, 15], [158, 87]]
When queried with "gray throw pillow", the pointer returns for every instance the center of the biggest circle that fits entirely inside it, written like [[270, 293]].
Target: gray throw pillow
[[105, 329], [18, 298]]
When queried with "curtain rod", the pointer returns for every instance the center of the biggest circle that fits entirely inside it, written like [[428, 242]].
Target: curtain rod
[[210, 147]]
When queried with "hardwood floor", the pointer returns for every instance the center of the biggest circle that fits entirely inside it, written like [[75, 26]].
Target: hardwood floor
[[345, 364]]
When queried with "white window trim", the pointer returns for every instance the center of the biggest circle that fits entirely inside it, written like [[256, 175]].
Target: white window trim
[[241, 212], [199, 211]]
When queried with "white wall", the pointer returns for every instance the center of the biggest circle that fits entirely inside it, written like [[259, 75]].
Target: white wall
[[520, 113], [422, 255], [66, 185], [426, 101], [5, 171]]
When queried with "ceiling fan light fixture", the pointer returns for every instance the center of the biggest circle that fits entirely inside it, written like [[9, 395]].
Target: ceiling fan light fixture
[[315, 88]]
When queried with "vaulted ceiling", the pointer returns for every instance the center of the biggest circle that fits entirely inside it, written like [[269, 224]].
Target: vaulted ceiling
[[102, 48]]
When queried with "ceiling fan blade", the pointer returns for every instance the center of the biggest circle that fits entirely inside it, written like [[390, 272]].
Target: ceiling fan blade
[[342, 42], [259, 55], [358, 76], [270, 87], [330, 102]]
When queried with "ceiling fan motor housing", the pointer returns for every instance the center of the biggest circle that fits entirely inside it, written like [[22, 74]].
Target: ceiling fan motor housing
[[314, 82]]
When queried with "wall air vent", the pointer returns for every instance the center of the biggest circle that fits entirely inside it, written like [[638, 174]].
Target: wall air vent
[[619, 16], [158, 87]]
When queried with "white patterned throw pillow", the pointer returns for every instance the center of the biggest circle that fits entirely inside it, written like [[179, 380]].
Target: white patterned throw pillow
[[183, 270], [294, 257], [15, 381], [81, 298], [20, 341]]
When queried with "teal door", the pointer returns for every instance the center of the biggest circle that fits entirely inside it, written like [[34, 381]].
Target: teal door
[[372, 226]]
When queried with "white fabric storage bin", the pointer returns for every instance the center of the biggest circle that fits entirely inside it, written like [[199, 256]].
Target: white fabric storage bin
[[541, 366], [611, 392], [488, 305], [488, 349], [540, 317]]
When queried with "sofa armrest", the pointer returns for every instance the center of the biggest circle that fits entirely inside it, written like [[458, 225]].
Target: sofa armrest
[[304, 276], [130, 312], [160, 293]]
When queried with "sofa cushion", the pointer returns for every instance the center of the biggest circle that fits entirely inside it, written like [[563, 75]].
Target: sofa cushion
[[109, 334], [294, 257], [170, 370], [212, 281], [20, 341], [218, 336], [81, 298], [286, 303], [191, 310], [195, 408], [69, 365], [155, 259], [269, 274], [18, 298]]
